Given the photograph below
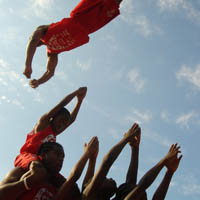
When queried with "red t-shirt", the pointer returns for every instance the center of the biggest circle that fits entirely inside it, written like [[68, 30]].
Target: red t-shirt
[[64, 35], [87, 17], [34, 140], [41, 192], [30, 148]]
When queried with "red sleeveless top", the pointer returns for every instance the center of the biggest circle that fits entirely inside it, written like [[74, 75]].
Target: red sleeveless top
[[64, 35]]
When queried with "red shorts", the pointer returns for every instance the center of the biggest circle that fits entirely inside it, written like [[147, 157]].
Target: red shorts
[[24, 159], [94, 14]]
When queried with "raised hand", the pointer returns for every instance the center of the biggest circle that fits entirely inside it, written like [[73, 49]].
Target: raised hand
[[172, 153], [92, 148], [133, 133], [173, 163], [81, 93], [136, 140]]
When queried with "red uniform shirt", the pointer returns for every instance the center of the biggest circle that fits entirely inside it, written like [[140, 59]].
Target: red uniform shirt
[[30, 148], [64, 36], [87, 17], [41, 192]]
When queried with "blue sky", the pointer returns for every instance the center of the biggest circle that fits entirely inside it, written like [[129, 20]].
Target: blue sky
[[144, 66]]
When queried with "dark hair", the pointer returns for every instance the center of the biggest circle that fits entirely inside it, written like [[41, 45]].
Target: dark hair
[[47, 146], [123, 190], [63, 111]]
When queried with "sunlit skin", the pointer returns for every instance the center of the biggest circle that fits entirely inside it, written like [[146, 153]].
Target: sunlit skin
[[52, 57]]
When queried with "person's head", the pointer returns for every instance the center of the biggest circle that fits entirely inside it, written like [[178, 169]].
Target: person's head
[[52, 156], [60, 121], [123, 190], [108, 188]]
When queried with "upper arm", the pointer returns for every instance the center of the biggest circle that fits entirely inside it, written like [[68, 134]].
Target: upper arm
[[38, 34], [13, 176], [42, 123], [96, 181]]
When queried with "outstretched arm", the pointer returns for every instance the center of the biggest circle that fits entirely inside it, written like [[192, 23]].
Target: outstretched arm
[[52, 61], [33, 43], [131, 176], [91, 167], [76, 172], [151, 175], [172, 166], [107, 162], [45, 119]]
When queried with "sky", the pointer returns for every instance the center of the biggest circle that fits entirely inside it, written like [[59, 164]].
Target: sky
[[143, 67]]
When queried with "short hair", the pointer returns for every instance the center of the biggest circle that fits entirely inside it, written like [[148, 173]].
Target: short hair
[[122, 191], [63, 111], [48, 146]]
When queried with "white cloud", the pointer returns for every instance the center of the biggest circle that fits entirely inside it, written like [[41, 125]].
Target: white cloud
[[165, 116], [12, 101], [157, 137], [190, 185], [140, 22], [3, 63], [61, 75], [43, 3], [127, 7], [84, 66], [40, 8], [190, 75], [170, 4], [145, 27], [185, 119], [114, 134], [174, 5], [139, 116], [135, 78], [11, 81]]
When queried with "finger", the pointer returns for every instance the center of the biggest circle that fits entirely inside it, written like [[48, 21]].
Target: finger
[[172, 146], [175, 146], [180, 157]]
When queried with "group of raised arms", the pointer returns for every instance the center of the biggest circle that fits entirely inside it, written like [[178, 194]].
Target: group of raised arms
[[36, 173]]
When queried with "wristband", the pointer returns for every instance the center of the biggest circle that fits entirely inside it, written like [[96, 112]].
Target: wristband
[[26, 185]]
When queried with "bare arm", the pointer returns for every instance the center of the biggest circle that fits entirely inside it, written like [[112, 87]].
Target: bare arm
[[33, 43], [107, 162], [131, 177], [80, 96], [151, 175], [91, 167], [13, 185], [76, 172], [52, 61], [172, 166], [45, 119]]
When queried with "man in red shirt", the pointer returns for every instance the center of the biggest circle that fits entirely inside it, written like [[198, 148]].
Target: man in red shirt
[[48, 127], [87, 17], [34, 184]]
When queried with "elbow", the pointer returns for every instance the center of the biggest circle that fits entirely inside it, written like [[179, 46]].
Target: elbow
[[50, 73], [33, 42]]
